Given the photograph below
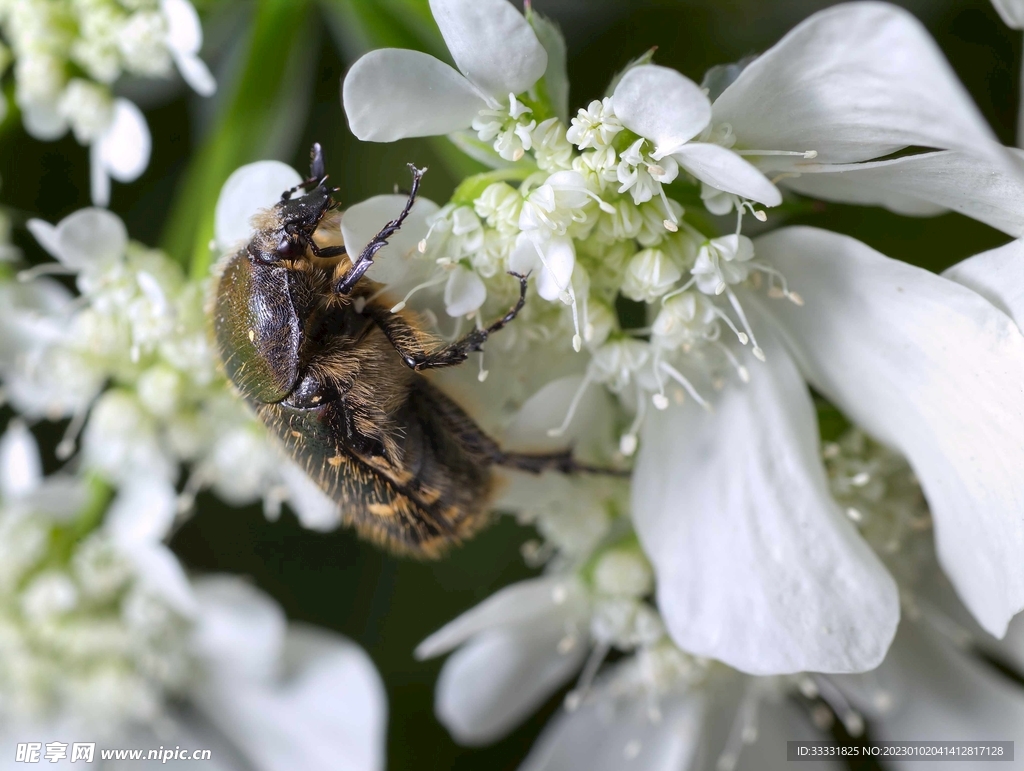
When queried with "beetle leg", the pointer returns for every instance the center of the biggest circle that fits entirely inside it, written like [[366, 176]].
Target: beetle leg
[[562, 462], [415, 350], [317, 174], [326, 251], [363, 262]]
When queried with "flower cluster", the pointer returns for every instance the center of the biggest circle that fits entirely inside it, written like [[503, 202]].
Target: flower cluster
[[737, 540], [102, 632], [130, 364], [66, 56], [83, 633]]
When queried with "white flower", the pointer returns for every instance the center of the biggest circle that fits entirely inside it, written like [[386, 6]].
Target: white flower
[[184, 39], [778, 580], [285, 695], [723, 262], [595, 126], [1011, 11], [137, 523], [721, 721], [669, 110], [650, 273], [498, 56], [849, 84], [518, 647], [121, 152]]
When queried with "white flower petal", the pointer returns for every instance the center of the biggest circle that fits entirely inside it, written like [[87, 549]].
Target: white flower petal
[[88, 238], [124, 147], [160, 572], [314, 509], [1012, 12], [725, 170], [756, 565], [424, 97], [46, 235], [554, 268], [661, 105], [934, 370], [517, 605], [398, 263], [591, 427], [487, 687], [240, 630], [195, 72], [998, 276], [329, 711], [944, 692], [923, 185], [142, 512], [44, 121], [184, 32], [604, 736], [853, 82], [464, 293], [492, 44], [21, 469], [249, 189]]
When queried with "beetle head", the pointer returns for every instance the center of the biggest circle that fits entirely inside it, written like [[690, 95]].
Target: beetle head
[[286, 230]]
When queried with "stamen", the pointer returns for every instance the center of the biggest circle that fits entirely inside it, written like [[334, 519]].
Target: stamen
[[46, 269], [774, 274], [187, 499], [851, 718], [743, 372], [676, 375], [577, 340], [743, 731], [628, 441], [679, 291], [575, 697], [943, 624], [66, 447], [421, 247], [808, 154], [741, 336], [758, 353], [399, 306], [588, 328], [573, 405], [671, 222]]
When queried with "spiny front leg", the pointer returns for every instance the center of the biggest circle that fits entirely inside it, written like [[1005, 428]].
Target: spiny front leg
[[414, 347], [362, 263], [562, 462]]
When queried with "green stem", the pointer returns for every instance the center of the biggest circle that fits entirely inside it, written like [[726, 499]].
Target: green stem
[[471, 188], [250, 123]]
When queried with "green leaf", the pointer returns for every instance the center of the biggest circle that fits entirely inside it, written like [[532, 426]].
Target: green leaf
[[262, 114], [359, 26]]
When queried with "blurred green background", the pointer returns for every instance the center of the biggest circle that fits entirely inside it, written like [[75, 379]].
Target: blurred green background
[[279, 64]]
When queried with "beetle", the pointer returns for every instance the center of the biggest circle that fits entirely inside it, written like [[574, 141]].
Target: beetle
[[314, 347]]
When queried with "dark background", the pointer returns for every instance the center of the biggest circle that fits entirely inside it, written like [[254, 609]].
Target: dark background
[[386, 604]]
